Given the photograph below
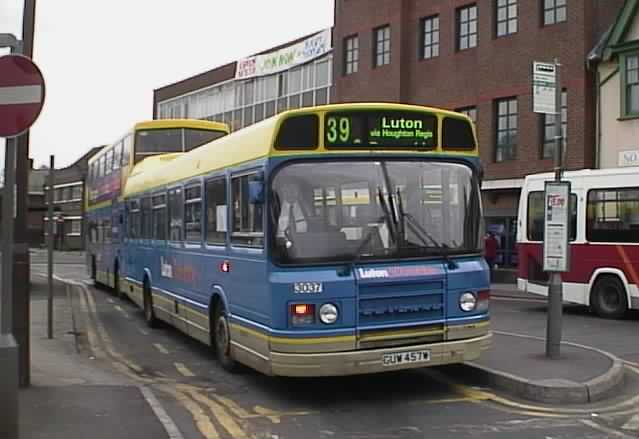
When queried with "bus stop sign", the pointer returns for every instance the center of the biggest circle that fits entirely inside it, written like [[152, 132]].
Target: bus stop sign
[[21, 94]]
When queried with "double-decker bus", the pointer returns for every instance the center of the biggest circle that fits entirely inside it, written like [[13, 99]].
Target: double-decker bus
[[331, 240], [108, 172], [604, 239]]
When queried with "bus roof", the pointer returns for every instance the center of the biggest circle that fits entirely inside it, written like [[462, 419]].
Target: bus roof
[[584, 173], [181, 123], [257, 141], [166, 124]]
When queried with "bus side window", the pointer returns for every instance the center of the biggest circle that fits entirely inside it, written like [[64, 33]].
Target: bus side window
[[127, 147], [109, 162], [193, 213], [247, 217], [159, 214], [147, 224], [117, 156], [216, 211], [176, 215]]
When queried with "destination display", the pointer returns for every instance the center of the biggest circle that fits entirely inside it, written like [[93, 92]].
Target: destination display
[[408, 129]]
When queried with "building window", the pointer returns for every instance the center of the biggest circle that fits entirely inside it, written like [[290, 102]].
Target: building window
[[247, 216], [506, 17], [76, 228], [613, 215], [506, 129], [554, 11], [470, 112], [351, 55], [430, 44], [467, 27], [382, 46], [76, 192], [549, 128], [631, 92]]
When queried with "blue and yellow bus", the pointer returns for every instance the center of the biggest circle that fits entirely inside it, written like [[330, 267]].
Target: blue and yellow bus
[[331, 240], [108, 172]]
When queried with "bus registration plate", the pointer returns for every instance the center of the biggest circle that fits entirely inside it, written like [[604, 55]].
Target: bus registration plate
[[397, 358]]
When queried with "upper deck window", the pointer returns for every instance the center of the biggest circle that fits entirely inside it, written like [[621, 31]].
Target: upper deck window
[[170, 140], [375, 129], [298, 132]]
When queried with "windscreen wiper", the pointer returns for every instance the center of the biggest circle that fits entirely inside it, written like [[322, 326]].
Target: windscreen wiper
[[421, 233], [392, 230]]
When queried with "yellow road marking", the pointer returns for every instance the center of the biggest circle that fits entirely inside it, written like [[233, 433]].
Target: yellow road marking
[[220, 414], [184, 370], [202, 421], [161, 348]]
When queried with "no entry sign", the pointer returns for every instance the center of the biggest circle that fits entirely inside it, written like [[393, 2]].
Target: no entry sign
[[21, 94]]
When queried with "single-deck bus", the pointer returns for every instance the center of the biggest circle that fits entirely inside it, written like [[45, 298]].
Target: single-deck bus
[[604, 239], [108, 171], [331, 240]]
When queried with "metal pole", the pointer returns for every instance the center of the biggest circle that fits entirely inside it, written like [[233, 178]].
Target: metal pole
[[50, 247], [8, 199], [555, 293], [21, 292], [8, 346]]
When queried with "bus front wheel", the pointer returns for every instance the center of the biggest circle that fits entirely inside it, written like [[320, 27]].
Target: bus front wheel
[[222, 339], [608, 298]]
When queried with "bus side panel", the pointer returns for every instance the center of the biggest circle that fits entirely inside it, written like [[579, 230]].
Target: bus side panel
[[585, 260], [246, 286]]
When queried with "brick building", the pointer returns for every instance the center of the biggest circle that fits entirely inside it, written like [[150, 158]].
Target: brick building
[[477, 56], [68, 203]]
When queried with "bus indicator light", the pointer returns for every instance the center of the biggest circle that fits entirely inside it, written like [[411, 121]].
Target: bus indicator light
[[302, 314], [225, 267], [483, 299]]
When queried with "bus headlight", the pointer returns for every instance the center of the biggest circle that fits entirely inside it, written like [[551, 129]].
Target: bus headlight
[[467, 302], [328, 313]]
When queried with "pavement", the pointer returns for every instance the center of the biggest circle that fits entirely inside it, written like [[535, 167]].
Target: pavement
[[104, 375], [517, 363], [71, 395]]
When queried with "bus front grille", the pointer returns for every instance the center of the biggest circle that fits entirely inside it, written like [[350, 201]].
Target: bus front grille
[[400, 304]]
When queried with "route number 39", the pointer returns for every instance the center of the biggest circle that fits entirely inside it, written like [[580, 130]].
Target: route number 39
[[338, 128]]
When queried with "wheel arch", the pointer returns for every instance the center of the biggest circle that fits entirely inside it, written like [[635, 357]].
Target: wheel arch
[[609, 271]]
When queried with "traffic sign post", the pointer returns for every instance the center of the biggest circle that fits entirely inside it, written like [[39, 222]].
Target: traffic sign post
[[21, 101], [547, 100]]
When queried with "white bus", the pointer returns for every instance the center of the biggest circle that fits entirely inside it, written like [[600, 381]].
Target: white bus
[[604, 239]]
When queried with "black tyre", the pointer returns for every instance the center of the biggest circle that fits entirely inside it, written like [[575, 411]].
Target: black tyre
[[608, 298], [222, 339], [149, 314]]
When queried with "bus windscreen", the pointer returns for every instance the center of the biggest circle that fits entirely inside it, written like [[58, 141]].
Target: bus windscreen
[[375, 129]]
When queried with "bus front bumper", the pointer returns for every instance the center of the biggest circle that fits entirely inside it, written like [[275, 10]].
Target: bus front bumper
[[372, 361]]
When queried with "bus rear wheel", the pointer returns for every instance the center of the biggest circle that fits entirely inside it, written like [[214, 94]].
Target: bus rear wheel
[[222, 339], [149, 315], [609, 298]]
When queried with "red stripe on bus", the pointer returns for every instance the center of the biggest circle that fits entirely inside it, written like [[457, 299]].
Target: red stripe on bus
[[628, 265]]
